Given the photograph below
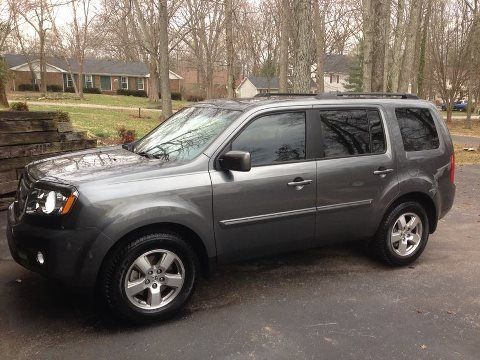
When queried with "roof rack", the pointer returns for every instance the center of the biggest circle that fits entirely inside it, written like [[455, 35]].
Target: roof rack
[[283, 94], [366, 95]]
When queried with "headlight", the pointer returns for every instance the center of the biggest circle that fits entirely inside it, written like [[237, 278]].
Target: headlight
[[50, 199]]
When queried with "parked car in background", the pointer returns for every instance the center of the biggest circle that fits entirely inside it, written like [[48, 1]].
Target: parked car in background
[[459, 105], [224, 181]]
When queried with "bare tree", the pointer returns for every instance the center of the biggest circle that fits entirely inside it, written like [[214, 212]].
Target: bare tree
[[35, 13], [301, 41], [368, 28], [381, 16], [409, 54], [229, 46], [164, 67], [284, 6], [473, 53], [319, 14], [449, 52], [6, 24], [399, 39]]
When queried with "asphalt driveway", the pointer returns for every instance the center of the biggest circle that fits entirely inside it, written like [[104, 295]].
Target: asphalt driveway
[[327, 303]]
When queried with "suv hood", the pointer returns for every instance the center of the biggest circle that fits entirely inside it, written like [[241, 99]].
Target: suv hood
[[91, 165]]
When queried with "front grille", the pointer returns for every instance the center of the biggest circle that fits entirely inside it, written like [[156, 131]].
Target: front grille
[[24, 187]]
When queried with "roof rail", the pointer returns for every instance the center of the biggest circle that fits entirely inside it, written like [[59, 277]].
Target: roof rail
[[283, 94], [366, 95]]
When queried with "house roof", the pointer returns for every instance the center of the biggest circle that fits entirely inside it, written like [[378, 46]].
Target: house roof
[[263, 82], [90, 66], [337, 64]]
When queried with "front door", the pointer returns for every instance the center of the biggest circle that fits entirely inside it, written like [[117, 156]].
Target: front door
[[271, 208], [356, 176]]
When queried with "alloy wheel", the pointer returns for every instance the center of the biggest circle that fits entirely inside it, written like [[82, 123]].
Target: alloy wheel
[[406, 234], [154, 279]]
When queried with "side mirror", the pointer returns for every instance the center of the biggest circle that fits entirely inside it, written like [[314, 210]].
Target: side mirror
[[236, 161]]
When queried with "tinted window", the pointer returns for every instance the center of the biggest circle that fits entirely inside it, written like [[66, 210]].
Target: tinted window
[[345, 132], [417, 128], [274, 138]]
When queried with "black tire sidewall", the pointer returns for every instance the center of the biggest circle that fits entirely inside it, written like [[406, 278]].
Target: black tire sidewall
[[116, 296]]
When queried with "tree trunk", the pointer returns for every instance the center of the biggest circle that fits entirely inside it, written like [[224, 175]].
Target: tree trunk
[[409, 56], [423, 49], [284, 37], [230, 50], [301, 62], [367, 44], [3, 82], [43, 65], [416, 58], [163, 61], [386, 62], [3, 94], [320, 42], [153, 88], [397, 48], [379, 9], [468, 119]]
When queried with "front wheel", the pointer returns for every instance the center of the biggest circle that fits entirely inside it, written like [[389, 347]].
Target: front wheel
[[150, 278], [402, 235]]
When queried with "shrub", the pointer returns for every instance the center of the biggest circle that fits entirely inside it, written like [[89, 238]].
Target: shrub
[[93, 90], [195, 98], [63, 116], [127, 136], [19, 106], [138, 93], [28, 87], [174, 95], [71, 89], [54, 88]]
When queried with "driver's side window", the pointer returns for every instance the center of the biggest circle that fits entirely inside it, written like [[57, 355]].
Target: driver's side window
[[274, 138]]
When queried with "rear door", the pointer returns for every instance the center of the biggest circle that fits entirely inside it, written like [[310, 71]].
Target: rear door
[[270, 208], [356, 174]]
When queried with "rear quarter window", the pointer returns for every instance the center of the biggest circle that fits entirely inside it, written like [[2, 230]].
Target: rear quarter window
[[417, 128]]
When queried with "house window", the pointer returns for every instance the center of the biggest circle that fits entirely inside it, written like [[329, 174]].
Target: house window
[[331, 78], [69, 80], [88, 81], [124, 82], [338, 79], [140, 85]]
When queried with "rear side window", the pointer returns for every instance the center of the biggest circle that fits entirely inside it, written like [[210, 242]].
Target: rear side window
[[417, 128], [352, 132], [274, 138]]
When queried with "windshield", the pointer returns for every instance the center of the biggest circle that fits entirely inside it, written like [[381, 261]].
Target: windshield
[[186, 134]]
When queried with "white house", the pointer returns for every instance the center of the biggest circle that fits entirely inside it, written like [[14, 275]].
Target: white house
[[336, 70]]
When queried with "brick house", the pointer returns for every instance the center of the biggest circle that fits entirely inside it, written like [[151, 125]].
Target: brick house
[[106, 75]]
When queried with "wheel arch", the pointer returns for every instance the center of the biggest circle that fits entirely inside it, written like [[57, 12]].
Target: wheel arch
[[424, 200], [190, 236]]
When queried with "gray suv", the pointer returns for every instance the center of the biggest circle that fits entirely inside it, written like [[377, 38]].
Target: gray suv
[[224, 181]]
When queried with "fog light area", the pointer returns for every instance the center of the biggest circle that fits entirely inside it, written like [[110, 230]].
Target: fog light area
[[40, 258]]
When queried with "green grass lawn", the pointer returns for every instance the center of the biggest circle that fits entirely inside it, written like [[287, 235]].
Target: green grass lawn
[[103, 124], [97, 99]]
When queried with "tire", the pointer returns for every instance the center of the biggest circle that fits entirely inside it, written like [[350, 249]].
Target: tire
[[405, 250], [140, 265]]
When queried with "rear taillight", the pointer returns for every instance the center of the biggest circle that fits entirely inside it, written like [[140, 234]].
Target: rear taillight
[[452, 168]]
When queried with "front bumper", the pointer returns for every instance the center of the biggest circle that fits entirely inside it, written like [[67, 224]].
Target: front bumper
[[66, 251]]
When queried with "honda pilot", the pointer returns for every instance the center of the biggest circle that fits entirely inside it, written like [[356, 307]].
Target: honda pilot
[[227, 180]]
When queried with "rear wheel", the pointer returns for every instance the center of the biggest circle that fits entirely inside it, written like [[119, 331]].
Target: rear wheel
[[402, 235], [150, 278]]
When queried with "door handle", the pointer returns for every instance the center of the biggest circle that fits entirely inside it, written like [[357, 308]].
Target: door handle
[[382, 172], [299, 183]]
